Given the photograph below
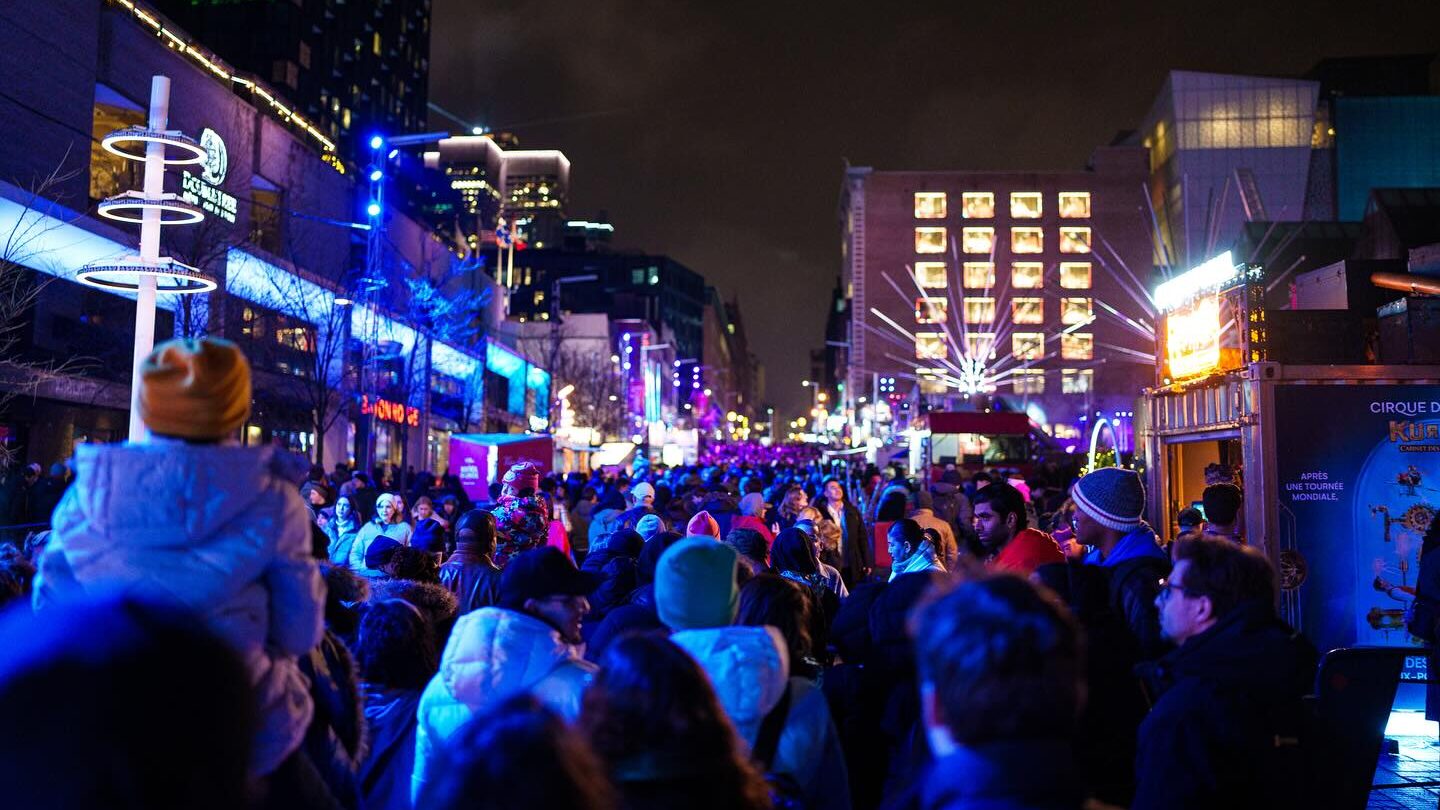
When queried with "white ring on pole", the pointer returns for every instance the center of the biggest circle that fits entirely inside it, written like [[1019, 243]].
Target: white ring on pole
[[192, 152], [170, 276], [119, 206]]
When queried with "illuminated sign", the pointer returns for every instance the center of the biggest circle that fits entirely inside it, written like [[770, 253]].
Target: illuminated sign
[[387, 411], [204, 190], [1192, 338], [1211, 275]]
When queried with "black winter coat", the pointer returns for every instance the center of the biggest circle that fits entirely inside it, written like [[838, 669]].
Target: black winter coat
[[473, 579], [1225, 697], [855, 552]]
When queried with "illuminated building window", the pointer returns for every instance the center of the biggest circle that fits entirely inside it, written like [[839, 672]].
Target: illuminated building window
[[979, 275], [1076, 381], [1027, 275], [978, 240], [931, 310], [1027, 345], [979, 310], [1077, 346], [931, 346], [931, 275], [1028, 381], [1076, 310], [1074, 205], [980, 345], [1027, 310], [929, 205], [929, 240], [1026, 204], [1075, 275], [1074, 240], [978, 205], [1027, 240], [931, 381]]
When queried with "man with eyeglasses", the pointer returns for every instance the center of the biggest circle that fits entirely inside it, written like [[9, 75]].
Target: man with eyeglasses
[[528, 642], [1223, 729]]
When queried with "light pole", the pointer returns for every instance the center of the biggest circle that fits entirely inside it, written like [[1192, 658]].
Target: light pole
[[149, 273]]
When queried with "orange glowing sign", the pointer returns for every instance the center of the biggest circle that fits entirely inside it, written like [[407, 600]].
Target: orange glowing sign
[[1192, 338], [387, 411]]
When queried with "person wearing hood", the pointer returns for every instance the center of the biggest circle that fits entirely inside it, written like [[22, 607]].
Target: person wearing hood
[[614, 565], [697, 598], [604, 518], [396, 655], [471, 573], [638, 615], [389, 522], [343, 530], [527, 643], [258, 587], [947, 551], [793, 557], [910, 551], [1000, 686], [1109, 507], [1229, 694]]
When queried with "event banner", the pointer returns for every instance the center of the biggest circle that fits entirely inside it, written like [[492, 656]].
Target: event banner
[[1359, 479]]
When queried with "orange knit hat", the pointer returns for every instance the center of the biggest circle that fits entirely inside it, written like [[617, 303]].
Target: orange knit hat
[[195, 389]]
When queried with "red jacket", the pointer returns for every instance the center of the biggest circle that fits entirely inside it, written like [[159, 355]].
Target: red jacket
[[1026, 551]]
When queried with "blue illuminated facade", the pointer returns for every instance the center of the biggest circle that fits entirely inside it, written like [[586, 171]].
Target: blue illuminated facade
[[1384, 142]]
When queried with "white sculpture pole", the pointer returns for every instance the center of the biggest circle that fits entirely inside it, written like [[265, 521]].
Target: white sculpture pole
[[154, 186]]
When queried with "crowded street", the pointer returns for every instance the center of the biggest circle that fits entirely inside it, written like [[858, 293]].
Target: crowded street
[[412, 404]]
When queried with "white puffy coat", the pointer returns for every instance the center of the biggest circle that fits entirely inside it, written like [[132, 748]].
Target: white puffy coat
[[209, 528], [493, 654], [748, 667]]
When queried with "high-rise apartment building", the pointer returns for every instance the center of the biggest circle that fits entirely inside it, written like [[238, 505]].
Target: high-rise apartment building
[[528, 187], [1025, 286], [353, 68]]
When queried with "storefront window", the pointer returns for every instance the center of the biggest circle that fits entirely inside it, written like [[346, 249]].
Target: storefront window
[[929, 205], [1027, 275], [978, 205], [979, 275], [1027, 310], [1028, 381], [978, 240], [1075, 275], [1076, 381], [1027, 345], [1074, 205], [1074, 240], [930, 346], [930, 310], [1026, 204], [111, 174], [931, 275], [1076, 310], [929, 240], [979, 310], [1077, 346], [1027, 240]]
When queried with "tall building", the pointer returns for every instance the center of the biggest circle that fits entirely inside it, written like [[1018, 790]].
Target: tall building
[[527, 187], [354, 68], [1019, 286], [1225, 150]]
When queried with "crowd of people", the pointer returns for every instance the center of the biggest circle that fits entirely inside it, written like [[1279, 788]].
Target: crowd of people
[[726, 635]]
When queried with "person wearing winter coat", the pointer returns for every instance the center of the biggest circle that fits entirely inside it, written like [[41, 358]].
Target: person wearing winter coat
[[1109, 506], [471, 573], [396, 654], [232, 545], [1000, 687], [343, 530], [854, 557], [1230, 694], [697, 598], [752, 516], [527, 643], [947, 551], [389, 521], [910, 551], [615, 568], [1006, 538]]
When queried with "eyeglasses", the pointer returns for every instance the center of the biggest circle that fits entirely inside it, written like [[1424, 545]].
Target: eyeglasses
[[1166, 586]]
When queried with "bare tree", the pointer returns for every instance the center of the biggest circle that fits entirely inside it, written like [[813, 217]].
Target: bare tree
[[597, 400]]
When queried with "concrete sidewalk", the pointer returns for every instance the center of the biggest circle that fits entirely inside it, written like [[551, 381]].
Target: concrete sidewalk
[[1418, 760]]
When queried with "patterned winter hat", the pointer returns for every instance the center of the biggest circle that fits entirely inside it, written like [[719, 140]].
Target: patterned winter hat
[[1112, 497]]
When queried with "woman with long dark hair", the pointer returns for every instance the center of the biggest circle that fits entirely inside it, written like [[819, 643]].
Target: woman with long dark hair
[[653, 718]]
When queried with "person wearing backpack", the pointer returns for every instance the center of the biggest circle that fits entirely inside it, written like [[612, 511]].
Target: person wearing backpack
[[1109, 510]]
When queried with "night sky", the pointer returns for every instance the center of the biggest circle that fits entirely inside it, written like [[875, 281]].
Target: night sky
[[716, 132]]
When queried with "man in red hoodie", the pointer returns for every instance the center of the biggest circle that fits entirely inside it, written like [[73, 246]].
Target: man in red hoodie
[[1009, 543]]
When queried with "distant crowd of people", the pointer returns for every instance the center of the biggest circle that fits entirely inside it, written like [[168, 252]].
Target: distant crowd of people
[[205, 625]]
